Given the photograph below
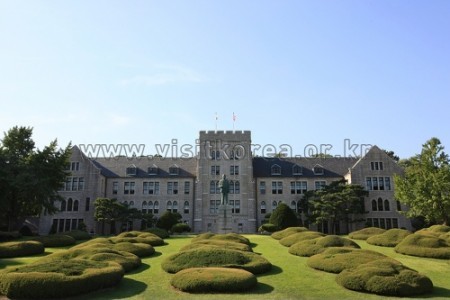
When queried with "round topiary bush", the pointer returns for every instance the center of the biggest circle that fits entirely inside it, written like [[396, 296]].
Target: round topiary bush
[[287, 232], [218, 244], [318, 245], [232, 237], [210, 280], [435, 230], [365, 233], [300, 236], [424, 246], [180, 228], [385, 277], [58, 279], [138, 249], [268, 227], [57, 240], [335, 260], [23, 248], [390, 238], [138, 237], [215, 257], [283, 217], [162, 233], [79, 235]]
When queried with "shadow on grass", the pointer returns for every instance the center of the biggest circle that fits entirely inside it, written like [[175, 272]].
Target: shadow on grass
[[9, 262], [156, 254], [261, 288], [437, 292], [143, 267], [274, 271]]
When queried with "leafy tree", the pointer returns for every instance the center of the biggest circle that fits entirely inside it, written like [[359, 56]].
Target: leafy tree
[[392, 155], [29, 178], [108, 211], [283, 217], [334, 203], [168, 220], [425, 186]]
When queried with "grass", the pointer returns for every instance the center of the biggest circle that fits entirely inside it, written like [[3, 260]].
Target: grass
[[290, 277]]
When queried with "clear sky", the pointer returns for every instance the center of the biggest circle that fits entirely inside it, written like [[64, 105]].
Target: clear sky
[[293, 72]]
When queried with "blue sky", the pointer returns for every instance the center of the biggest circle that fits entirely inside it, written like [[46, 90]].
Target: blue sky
[[293, 72]]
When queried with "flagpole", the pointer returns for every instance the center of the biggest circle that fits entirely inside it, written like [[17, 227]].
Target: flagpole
[[234, 119], [216, 121]]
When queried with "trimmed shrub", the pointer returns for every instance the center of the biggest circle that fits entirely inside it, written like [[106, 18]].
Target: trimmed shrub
[[300, 236], [365, 233], [390, 238], [283, 217], [180, 228], [335, 260], [318, 245], [57, 240], [79, 235], [9, 235], [58, 279], [232, 237], [217, 244], [435, 230], [287, 232], [424, 246], [215, 257], [385, 277], [23, 248], [162, 233], [138, 249], [138, 237], [269, 227], [210, 280]]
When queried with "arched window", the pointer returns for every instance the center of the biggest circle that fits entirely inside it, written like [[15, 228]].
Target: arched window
[[186, 207], [274, 205], [294, 206], [150, 207], [374, 205], [263, 207], [69, 204], [75, 205], [275, 170], [131, 203], [387, 207], [399, 206], [144, 207], [156, 207], [175, 207], [169, 206], [125, 203], [63, 205], [237, 187], [380, 204]]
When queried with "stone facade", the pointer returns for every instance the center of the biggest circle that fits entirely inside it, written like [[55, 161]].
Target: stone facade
[[190, 185]]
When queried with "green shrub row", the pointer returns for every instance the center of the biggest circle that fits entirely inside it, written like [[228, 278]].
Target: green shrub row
[[57, 240], [162, 233], [218, 244], [278, 235], [318, 245], [79, 235], [9, 235], [232, 237], [424, 246], [210, 280], [21, 248], [300, 236], [365, 233], [390, 238]]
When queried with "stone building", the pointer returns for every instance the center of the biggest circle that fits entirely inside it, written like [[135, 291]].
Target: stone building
[[189, 186]]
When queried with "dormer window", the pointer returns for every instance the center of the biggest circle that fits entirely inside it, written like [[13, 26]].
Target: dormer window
[[174, 170], [153, 170], [297, 170], [318, 170], [275, 170], [131, 170]]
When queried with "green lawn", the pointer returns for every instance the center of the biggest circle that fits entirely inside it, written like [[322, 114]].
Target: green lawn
[[290, 278]]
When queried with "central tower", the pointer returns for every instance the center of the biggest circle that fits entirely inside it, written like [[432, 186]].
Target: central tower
[[229, 153]]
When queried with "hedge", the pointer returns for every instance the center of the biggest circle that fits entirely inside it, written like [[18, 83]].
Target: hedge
[[58, 279], [424, 246], [162, 233], [210, 280], [218, 244], [268, 227], [435, 230], [335, 260], [300, 236], [23, 248], [138, 249], [232, 237], [138, 237], [288, 231], [365, 233], [180, 228], [9, 235], [57, 240], [390, 238], [215, 257], [318, 245], [385, 277], [79, 235]]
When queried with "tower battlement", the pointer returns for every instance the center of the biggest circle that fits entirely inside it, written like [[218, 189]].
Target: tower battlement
[[239, 135]]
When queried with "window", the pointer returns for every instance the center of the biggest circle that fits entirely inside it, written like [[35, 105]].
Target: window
[[378, 183], [387, 207], [399, 206], [320, 185], [214, 187], [115, 188], [274, 205], [214, 206], [297, 170], [369, 183], [174, 170], [277, 187], [383, 223], [262, 187], [172, 187], [153, 170], [235, 206], [215, 170], [128, 187], [74, 166], [388, 224], [69, 204], [187, 187], [74, 183], [294, 206], [235, 154], [381, 183], [275, 170], [376, 166], [144, 207], [374, 205], [215, 155], [131, 204], [63, 205], [75, 205], [234, 170], [131, 170], [263, 207], [235, 187], [151, 188], [67, 226], [186, 207], [387, 182], [169, 206], [175, 207], [318, 170], [375, 183], [395, 223], [299, 187], [87, 204], [156, 207], [380, 204]]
